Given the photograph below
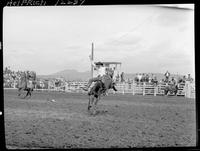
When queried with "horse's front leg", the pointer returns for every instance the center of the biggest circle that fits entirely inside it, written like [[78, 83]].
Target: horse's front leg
[[95, 105], [166, 92], [89, 106], [19, 91], [26, 94], [91, 100], [29, 93], [175, 92]]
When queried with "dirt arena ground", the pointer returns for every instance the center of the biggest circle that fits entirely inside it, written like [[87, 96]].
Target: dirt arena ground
[[122, 121]]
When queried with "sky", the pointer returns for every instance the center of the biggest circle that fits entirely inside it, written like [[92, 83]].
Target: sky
[[146, 39]]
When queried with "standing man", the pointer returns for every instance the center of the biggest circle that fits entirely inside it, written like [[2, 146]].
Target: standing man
[[167, 75], [139, 77], [115, 74], [173, 81], [189, 78], [122, 77]]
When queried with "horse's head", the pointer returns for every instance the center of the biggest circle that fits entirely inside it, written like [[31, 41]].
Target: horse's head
[[32, 75]]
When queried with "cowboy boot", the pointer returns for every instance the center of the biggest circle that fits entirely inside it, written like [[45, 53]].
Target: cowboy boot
[[114, 88]]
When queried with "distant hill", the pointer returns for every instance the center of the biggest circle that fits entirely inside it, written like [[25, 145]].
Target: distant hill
[[74, 75], [68, 75]]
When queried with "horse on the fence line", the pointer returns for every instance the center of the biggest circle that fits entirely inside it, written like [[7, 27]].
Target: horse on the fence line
[[97, 89], [170, 88], [154, 82], [26, 82]]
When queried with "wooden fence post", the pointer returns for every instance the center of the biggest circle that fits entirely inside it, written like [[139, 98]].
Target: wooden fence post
[[155, 90], [144, 88], [189, 90], [48, 85], [123, 87], [133, 85]]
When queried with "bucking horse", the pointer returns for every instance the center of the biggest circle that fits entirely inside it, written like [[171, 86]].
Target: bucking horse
[[98, 89], [26, 82], [171, 89]]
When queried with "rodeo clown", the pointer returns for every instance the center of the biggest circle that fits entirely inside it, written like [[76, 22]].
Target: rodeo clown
[[103, 75]]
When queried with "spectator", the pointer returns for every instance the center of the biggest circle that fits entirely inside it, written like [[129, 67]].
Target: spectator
[[167, 75], [173, 81], [143, 77], [139, 77], [122, 77], [184, 78], [162, 81], [117, 77], [150, 78], [115, 73], [189, 78], [147, 77]]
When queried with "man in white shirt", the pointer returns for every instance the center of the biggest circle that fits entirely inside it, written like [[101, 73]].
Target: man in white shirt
[[101, 70], [167, 75], [115, 73], [140, 77], [101, 76]]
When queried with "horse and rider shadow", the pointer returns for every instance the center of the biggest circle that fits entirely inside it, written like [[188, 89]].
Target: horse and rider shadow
[[26, 83]]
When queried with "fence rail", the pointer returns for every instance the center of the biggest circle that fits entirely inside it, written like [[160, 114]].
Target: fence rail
[[146, 89], [184, 89]]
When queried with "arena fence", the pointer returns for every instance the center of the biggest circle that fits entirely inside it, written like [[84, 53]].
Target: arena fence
[[146, 89], [184, 89]]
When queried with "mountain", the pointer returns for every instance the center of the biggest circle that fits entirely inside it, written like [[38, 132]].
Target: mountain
[[71, 75], [74, 75]]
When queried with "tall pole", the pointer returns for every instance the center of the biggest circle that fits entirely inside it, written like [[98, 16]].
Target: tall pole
[[92, 57]]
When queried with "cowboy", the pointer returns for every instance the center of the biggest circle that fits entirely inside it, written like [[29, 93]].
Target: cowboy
[[102, 76]]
